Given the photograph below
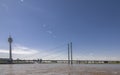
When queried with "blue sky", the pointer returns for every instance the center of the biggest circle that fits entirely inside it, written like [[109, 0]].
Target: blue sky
[[38, 26]]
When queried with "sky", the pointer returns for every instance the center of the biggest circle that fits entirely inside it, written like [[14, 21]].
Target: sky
[[41, 29]]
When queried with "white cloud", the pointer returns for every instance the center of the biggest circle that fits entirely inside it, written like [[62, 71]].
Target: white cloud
[[20, 50], [3, 51], [23, 52], [50, 32], [94, 57], [22, 0]]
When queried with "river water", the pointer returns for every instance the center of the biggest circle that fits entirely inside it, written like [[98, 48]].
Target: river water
[[60, 69]]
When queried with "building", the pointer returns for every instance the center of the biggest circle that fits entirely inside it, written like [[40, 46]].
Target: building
[[4, 60]]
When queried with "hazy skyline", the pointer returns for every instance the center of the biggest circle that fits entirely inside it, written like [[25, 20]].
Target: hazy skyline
[[39, 26]]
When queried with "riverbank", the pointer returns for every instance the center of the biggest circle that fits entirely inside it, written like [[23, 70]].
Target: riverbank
[[6, 61]]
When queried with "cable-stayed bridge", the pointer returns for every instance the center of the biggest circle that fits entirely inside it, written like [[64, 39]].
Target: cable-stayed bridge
[[61, 54]]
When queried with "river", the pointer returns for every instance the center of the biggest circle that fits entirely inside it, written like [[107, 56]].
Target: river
[[59, 69]]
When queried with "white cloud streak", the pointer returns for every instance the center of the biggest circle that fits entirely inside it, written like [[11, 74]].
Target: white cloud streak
[[94, 57], [23, 52], [20, 50], [22, 0], [50, 32]]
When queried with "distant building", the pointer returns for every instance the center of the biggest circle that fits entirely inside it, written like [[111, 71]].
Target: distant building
[[4, 60]]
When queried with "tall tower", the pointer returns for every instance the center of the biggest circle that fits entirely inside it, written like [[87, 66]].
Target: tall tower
[[70, 53], [10, 40]]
